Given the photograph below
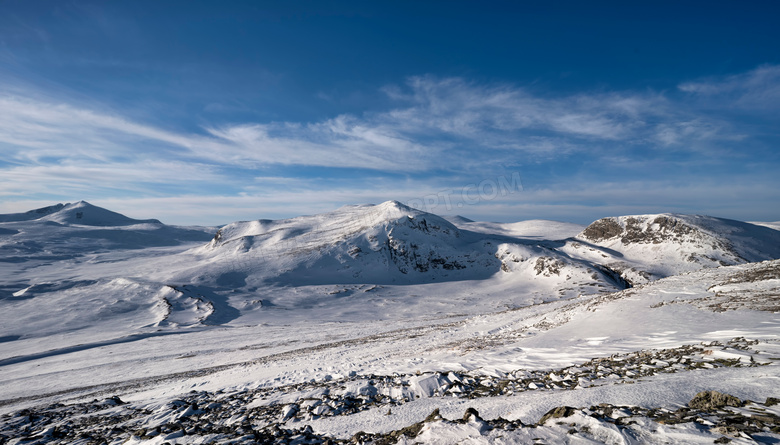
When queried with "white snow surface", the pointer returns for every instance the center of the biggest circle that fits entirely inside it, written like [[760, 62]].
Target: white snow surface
[[772, 225], [95, 303], [539, 229]]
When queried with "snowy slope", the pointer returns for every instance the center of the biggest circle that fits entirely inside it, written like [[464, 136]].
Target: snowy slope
[[111, 278], [71, 260], [32, 214], [84, 213], [358, 262], [641, 353], [322, 325]]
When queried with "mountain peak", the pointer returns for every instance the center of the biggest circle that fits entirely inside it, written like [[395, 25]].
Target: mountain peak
[[392, 210], [84, 213], [394, 205], [337, 225]]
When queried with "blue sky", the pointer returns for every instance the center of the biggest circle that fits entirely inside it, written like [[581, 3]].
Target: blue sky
[[211, 112]]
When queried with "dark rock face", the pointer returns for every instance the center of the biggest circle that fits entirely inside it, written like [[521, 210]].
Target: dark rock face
[[47, 210], [661, 229], [603, 229], [407, 255], [217, 238], [709, 400], [548, 266]]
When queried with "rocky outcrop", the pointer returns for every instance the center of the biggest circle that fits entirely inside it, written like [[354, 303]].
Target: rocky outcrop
[[710, 400], [603, 229]]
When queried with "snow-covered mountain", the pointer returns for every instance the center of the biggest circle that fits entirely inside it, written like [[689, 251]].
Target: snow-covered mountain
[[80, 213], [643, 248], [378, 244], [326, 320], [82, 228], [365, 256], [383, 244]]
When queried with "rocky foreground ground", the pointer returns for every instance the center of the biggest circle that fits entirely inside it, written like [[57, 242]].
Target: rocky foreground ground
[[257, 416]]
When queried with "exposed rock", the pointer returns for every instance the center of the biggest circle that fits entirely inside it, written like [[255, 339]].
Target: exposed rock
[[769, 270], [434, 415], [603, 229], [711, 400], [557, 413], [410, 431], [548, 266], [471, 412]]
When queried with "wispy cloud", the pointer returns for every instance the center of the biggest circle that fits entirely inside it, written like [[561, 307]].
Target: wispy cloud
[[93, 178], [434, 118], [757, 90], [32, 130], [458, 107], [341, 142], [63, 148]]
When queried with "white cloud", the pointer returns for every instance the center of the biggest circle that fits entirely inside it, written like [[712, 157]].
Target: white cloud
[[55, 148], [80, 179], [340, 142], [458, 107], [33, 130], [758, 89], [433, 119], [698, 129]]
